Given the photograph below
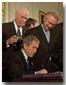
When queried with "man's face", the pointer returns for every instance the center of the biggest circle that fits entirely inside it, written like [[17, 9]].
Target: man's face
[[30, 50], [21, 18], [49, 23], [33, 25]]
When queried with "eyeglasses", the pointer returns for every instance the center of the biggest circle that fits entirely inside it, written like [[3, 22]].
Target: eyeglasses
[[49, 23], [23, 17]]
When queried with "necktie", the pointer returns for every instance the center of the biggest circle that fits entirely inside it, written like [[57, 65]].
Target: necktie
[[28, 63], [18, 32], [48, 36]]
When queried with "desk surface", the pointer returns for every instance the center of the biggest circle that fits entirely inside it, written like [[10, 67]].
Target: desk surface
[[50, 77]]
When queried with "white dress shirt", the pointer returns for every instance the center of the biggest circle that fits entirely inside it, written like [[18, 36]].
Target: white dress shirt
[[25, 56], [47, 33], [16, 28]]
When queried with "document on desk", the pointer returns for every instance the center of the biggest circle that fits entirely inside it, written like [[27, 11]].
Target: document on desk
[[52, 77]]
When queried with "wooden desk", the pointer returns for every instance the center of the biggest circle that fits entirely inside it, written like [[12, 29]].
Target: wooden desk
[[50, 77]]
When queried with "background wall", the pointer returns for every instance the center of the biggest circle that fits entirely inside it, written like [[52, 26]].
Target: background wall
[[33, 8]]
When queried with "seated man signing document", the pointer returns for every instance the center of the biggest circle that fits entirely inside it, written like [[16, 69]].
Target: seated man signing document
[[21, 62]]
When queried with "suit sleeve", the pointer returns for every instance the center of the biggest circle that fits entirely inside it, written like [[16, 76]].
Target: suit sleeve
[[15, 66]]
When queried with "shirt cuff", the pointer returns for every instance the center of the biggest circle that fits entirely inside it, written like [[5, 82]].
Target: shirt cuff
[[35, 73]]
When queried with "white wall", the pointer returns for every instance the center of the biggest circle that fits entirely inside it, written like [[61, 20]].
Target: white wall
[[33, 8]]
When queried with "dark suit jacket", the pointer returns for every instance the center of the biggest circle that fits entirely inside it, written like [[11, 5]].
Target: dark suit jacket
[[8, 30], [45, 49], [16, 64], [57, 54]]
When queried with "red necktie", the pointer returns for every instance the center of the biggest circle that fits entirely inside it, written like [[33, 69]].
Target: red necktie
[[18, 32]]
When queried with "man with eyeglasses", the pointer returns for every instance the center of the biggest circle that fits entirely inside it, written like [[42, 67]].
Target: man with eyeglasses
[[12, 32], [9, 30], [47, 35]]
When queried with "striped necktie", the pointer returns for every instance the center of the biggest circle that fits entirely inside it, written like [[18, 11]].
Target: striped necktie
[[18, 32]]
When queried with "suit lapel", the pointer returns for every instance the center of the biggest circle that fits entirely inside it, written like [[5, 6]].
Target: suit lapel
[[23, 59], [43, 37], [24, 31], [12, 30], [53, 37]]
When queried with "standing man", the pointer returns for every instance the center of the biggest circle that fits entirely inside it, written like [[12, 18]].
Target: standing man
[[12, 31], [47, 35], [17, 61]]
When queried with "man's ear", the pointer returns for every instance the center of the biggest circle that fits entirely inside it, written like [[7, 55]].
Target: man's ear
[[25, 45], [44, 19], [31, 26]]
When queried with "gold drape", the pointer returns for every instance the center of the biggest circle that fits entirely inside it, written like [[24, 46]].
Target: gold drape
[[2, 12]]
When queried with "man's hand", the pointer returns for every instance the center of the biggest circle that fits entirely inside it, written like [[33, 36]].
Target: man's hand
[[12, 40], [42, 71]]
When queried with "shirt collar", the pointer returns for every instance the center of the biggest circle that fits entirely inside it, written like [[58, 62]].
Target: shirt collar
[[43, 28], [25, 56], [16, 27]]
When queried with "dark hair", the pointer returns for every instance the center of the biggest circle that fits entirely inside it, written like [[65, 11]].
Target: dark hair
[[30, 21]]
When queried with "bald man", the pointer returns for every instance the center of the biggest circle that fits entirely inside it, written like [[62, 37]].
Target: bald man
[[10, 32]]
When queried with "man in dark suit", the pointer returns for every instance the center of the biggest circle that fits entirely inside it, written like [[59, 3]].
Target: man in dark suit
[[10, 34], [47, 35], [17, 60], [57, 54]]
